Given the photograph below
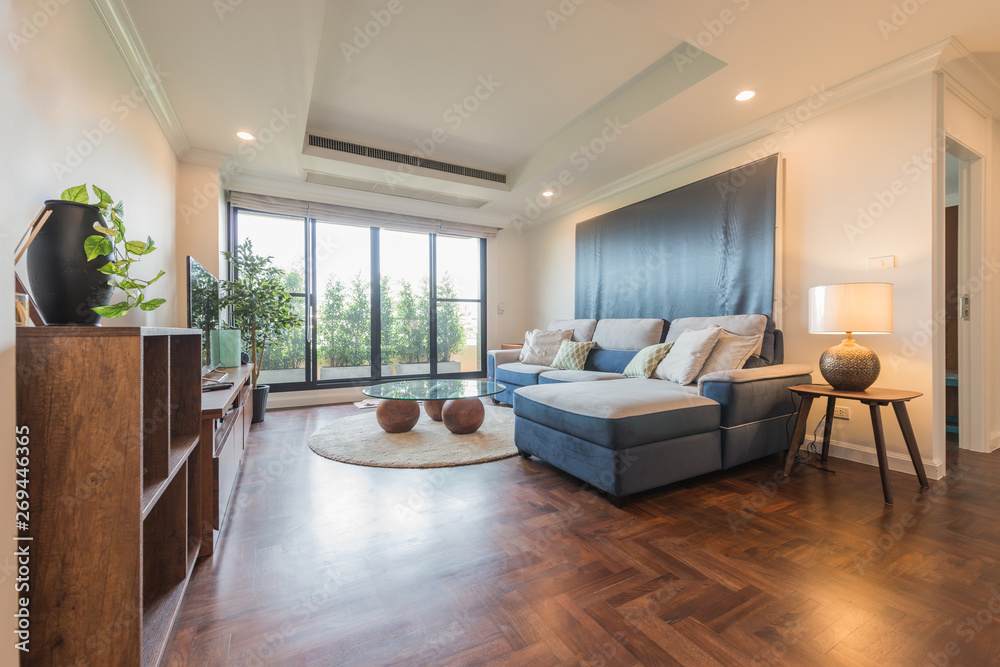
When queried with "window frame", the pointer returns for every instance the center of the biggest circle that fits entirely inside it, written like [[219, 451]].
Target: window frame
[[312, 381]]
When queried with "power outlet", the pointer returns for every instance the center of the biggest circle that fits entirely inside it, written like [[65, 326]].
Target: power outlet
[[841, 413]]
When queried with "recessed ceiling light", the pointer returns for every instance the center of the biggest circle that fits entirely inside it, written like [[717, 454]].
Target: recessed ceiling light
[[745, 95], [548, 193], [246, 136]]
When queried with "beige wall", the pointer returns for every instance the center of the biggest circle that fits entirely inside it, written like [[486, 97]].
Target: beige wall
[[507, 271], [71, 114], [201, 225], [993, 346], [837, 162]]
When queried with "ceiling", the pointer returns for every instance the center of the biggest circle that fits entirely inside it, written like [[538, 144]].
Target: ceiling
[[518, 87]]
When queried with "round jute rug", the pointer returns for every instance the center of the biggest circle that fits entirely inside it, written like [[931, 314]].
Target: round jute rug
[[361, 441]]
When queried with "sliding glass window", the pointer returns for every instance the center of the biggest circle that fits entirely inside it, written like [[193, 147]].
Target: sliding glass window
[[377, 304], [284, 239]]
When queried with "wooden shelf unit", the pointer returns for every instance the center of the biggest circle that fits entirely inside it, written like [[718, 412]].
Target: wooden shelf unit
[[114, 416]]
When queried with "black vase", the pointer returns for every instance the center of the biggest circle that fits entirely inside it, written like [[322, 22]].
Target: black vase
[[64, 284], [260, 393]]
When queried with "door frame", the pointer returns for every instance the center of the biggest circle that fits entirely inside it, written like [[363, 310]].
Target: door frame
[[973, 282]]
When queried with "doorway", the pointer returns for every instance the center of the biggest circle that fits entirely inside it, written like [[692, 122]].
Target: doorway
[[952, 299], [964, 284]]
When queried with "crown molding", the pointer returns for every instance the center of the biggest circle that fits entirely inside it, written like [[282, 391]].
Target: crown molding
[[963, 67], [204, 158], [881, 78], [371, 201], [116, 18]]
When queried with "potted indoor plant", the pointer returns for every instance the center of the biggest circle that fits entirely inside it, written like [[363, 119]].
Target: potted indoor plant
[[262, 310], [79, 255]]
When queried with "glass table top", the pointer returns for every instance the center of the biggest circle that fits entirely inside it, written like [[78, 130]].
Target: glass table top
[[433, 390]]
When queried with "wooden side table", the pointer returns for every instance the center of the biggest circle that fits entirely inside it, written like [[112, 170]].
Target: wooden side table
[[874, 398], [511, 346]]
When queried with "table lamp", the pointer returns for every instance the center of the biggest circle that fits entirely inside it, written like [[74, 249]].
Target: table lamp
[[849, 309]]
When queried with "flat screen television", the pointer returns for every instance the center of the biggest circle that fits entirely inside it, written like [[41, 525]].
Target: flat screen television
[[203, 310]]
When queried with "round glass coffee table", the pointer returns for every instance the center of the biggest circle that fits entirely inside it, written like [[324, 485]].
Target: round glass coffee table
[[455, 402]]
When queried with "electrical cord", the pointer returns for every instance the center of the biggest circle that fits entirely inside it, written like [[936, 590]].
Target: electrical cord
[[811, 447], [811, 450]]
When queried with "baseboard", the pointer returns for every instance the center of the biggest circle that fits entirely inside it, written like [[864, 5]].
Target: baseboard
[[304, 399], [898, 462], [994, 441]]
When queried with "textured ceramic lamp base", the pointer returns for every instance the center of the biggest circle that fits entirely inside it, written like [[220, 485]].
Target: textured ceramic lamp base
[[849, 366]]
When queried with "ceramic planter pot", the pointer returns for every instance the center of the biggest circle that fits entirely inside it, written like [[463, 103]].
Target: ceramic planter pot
[[64, 284]]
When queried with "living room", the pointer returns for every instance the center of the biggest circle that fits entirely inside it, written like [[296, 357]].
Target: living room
[[860, 101]]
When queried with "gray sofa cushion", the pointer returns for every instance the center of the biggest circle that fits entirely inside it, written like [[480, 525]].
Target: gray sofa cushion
[[520, 374], [628, 334], [583, 330], [609, 361], [741, 325], [577, 376], [618, 414], [749, 395]]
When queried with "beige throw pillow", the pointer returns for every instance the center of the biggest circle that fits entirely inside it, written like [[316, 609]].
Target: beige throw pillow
[[688, 354], [730, 352], [540, 347]]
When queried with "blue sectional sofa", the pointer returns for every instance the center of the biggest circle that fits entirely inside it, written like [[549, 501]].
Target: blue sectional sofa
[[628, 435]]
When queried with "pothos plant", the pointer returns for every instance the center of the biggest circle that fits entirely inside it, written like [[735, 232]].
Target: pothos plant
[[111, 241]]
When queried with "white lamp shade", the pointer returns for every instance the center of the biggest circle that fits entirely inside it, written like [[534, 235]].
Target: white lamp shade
[[851, 307]]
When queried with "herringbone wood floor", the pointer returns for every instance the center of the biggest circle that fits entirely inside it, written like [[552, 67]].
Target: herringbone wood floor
[[514, 563]]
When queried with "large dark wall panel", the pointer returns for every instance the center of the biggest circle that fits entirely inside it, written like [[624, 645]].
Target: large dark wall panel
[[704, 249]]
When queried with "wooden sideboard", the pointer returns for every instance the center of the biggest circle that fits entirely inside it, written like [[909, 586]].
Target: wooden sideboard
[[112, 488], [225, 424]]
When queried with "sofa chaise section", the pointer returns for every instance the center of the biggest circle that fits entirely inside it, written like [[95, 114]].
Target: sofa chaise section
[[622, 437]]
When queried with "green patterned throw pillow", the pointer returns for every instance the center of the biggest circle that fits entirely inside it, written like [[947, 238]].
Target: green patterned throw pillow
[[646, 360], [572, 356]]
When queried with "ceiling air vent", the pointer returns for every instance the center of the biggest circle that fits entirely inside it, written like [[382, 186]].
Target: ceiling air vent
[[317, 141], [394, 190]]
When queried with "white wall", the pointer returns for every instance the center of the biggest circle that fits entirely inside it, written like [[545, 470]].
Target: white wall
[[837, 162], [67, 94]]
